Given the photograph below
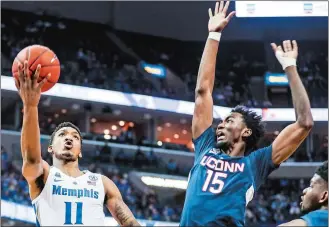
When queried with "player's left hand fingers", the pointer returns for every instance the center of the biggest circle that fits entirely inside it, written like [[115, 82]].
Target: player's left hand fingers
[[35, 75], [26, 73], [286, 44], [216, 8], [294, 45], [274, 47], [226, 7], [17, 84], [221, 6], [43, 81], [229, 17], [210, 13], [279, 48]]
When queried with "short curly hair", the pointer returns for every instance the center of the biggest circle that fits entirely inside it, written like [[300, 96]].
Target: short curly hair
[[63, 125], [322, 171], [253, 122]]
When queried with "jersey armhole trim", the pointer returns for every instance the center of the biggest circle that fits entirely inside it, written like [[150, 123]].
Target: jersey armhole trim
[[251, 173], [42, 191], [196, 140]]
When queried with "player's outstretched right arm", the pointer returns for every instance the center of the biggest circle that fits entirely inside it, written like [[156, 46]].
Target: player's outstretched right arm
[[203, 110], [30, 91]]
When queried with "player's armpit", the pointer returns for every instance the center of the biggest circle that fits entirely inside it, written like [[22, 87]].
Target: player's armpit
[[288, 141], [119, 210], [296, 222], [31, 171]]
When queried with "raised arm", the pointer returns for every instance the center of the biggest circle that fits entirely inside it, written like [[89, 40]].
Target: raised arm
[[203, 110], [116, 205], [293, 135], [30, 91]]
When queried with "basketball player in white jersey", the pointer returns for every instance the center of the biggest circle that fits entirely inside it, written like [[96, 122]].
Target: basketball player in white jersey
[[62, 194]]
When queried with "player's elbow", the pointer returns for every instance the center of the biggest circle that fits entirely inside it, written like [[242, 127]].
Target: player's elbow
[[306, 123], [201, 91]]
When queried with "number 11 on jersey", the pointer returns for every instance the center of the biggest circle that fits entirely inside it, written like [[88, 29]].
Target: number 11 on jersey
[[214, 181], [68, 213]]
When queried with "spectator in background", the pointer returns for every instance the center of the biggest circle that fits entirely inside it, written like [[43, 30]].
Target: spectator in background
[[172, 167]]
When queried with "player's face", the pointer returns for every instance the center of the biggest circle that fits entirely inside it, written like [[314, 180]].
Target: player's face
[[230, 131], [315, 195], [66, 144]]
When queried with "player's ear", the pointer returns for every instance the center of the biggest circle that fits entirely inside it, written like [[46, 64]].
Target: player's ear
[[246, 132], [50, 149], [324, 197]]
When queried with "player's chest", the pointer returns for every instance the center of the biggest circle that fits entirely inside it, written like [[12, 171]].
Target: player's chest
[[81, 189]]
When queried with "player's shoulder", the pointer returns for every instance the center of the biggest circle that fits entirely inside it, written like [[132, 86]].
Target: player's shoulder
[[316, 217]]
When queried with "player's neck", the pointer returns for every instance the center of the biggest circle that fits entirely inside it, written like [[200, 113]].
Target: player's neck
[[69, 168], [236, 150]]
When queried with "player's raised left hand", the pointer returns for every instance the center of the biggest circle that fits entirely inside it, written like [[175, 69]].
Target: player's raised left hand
[[288, 55], [218, 20]]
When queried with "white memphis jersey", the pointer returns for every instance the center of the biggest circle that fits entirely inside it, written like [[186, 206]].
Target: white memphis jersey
[[66, 200]]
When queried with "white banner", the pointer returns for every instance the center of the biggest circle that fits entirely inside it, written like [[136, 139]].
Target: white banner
[[154, 103], [24, 213], [281, 8]]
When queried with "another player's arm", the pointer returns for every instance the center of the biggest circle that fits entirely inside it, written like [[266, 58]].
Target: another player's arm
[[30, 92], [116, 205], [293, 135], [203, 110], [296, 222]]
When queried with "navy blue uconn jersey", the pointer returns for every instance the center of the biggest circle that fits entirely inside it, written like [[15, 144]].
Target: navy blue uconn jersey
[[221, 186]]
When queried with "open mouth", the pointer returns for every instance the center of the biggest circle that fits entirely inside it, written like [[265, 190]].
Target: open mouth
[[220, 136], [68, 145]]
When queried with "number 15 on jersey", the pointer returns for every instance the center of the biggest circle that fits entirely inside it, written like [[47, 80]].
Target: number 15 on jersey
[[213, 182]]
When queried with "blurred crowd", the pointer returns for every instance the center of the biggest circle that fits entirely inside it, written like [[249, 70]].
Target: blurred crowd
[[276, 202], [90, 58]]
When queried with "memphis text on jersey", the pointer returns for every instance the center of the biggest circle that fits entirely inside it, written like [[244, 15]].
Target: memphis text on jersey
[[59, 190]]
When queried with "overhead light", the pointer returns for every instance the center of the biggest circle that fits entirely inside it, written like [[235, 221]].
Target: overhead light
[[106, 131], [176, 136], [183, 121], [56, 115], [131, 124], [75, 106], [64, 111], [159, 128], [168, 140], [107, 137], [93, 120], [117, 112], [147, 116], [164, 182], [168, 124], [121, 123], [159, 143], [114, 127], [184, 132]]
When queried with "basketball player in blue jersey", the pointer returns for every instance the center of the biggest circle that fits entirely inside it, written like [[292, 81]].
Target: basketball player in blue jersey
[[314, 203], [227, 169], [62, 194]]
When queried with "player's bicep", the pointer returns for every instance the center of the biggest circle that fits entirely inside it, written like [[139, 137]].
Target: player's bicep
[[203, 114], [296, 222], [116, 205], [31, 171], [288, 141]]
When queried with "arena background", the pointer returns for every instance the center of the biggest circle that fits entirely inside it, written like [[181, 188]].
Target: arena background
[[128, 73]]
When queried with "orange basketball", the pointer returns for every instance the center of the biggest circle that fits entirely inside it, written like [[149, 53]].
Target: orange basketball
[[37, 54]]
